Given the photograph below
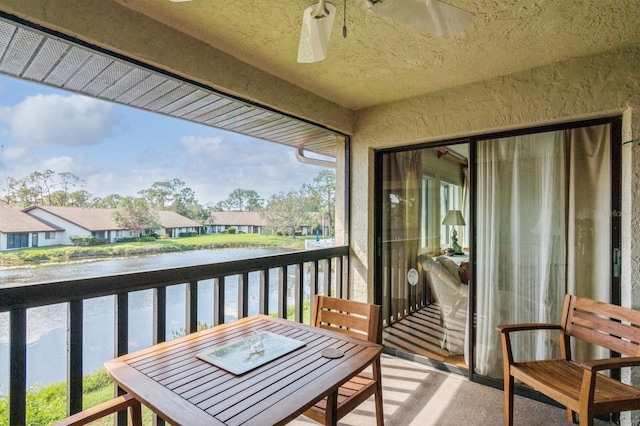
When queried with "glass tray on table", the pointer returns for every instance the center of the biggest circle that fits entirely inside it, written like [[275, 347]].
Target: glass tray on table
[[236, 357]]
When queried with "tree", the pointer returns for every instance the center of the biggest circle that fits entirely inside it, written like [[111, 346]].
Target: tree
[[323, 195], [172, 195], [241, 200], [109, 202], [46, 188], [135, 214], [287, 212], [41, 183]]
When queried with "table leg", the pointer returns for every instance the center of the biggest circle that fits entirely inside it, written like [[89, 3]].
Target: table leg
[[331, 411]]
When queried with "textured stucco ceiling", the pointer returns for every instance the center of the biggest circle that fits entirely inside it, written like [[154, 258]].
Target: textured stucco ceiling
[[382, 60]]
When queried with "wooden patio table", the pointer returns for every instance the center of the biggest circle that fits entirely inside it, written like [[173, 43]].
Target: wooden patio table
[[169, 379]]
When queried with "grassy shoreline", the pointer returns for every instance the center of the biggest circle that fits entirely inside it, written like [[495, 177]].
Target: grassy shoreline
[[63, 254]]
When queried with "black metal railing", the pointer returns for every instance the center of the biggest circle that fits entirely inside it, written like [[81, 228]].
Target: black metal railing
[[323, 271]]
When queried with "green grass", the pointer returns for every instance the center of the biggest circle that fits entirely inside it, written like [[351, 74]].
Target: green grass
[[61, 254]]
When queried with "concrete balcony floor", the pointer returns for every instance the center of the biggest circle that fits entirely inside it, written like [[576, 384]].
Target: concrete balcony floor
[[415, 394]]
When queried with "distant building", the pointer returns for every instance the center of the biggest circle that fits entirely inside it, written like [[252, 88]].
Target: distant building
[[173, 224], [20, 230], [81, 222], [246, 222], [52, 225]]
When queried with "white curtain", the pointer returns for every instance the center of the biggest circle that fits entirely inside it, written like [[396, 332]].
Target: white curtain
[[543, 226], [521, 228], [589, 251]]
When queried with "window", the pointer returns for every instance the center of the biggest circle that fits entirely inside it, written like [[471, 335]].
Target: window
[[17, 241], [450, 199], [49, 235]]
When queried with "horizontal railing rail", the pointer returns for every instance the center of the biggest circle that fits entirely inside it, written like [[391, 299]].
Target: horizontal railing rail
[[17, 300]]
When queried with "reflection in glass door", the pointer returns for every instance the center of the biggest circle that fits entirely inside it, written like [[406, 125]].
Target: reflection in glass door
[[424, 245]]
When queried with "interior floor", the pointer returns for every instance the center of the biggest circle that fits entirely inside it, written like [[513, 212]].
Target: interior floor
[[421, 334]]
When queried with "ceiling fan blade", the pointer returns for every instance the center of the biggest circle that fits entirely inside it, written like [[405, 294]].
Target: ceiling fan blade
[[315, 32], [433, 16]]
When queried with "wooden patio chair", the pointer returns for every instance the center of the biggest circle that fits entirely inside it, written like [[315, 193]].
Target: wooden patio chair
[[106, 408], [360, 320]]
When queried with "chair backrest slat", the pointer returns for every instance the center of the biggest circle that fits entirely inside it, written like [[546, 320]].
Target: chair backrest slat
[[357, 319], [606, 325]]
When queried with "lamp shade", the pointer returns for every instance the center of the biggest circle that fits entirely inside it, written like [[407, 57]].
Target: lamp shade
[[453, 217], [315, 32]]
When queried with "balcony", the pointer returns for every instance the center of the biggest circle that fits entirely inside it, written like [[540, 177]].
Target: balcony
[[413, 393]]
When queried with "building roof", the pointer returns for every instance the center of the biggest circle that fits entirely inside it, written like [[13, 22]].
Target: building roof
[[13, 220], [236, 219], [94, 219], [91, 219], [169, 219]]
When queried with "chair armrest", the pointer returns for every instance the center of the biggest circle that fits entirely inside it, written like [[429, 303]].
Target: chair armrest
[[508, 328], [507, 353], [101, 410], [610, 363]]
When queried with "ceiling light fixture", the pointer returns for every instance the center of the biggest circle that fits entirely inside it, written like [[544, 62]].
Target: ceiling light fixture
[[317, 21]]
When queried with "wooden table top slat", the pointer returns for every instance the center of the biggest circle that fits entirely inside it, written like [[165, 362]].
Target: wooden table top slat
[[208, 339], [200, 394], [168, 370], [321, 378], [182, 389], [245, 395]]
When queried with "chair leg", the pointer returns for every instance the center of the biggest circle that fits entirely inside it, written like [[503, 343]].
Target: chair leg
[[585, 419], [377, 373], [508, 400], [331, 412], [571, 416], [135, 415]]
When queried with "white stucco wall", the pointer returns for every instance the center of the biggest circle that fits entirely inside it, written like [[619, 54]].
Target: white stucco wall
[[70, 229], [591, 87]]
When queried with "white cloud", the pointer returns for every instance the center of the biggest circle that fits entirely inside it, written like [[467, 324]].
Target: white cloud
[[13, 153], [44, 120], [125, 183], [215, 166]]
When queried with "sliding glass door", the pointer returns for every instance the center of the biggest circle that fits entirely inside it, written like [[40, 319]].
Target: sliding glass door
[[422, 211], [530, 214], [542, 230]]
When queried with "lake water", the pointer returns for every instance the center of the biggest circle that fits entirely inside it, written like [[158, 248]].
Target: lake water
[[46, 326]]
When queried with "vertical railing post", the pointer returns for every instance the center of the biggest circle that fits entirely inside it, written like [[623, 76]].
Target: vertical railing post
[[282, 292], [264, 291], [159, 329], [121, 340], [243, 295], [345, 277], [218, 300], [159, 314], [314, 274], [299, 299], [74, 356], [326, 277], [191, 320], [338, 277], [18, 362]]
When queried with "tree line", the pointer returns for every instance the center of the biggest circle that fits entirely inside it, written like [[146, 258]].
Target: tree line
[[313, 203]]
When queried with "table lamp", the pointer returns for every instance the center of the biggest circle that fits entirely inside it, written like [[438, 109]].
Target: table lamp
[[454, 218]]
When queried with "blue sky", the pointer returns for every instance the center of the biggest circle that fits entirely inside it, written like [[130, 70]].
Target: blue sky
[[121, 150]]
